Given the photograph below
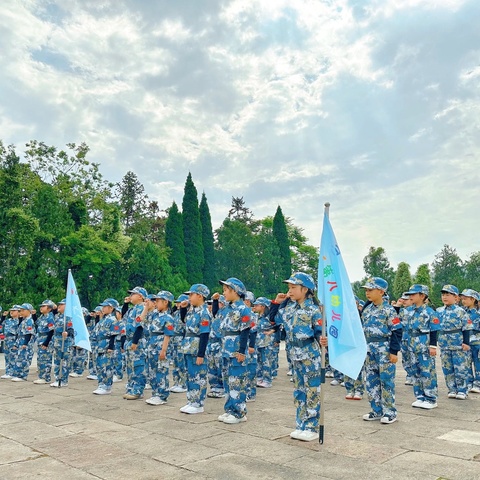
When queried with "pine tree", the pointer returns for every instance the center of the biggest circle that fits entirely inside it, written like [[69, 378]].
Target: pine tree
[[403, 280], [133, 200], [423, 277], [174, 241], [376, 264], [192, 232], [208, 244], [447, 269], [281, 236]]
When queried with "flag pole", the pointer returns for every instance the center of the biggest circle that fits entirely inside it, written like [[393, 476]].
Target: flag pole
[[62, 353], [321, 420]]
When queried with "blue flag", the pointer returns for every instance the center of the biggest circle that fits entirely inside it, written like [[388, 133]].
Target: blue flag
[[74, 314], [347, 347]]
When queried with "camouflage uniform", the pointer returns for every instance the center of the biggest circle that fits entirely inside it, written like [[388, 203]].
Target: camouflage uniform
[[264, 342], [179, 371], [252, 360], [62, 356], [214, 357], [135, 359], [10, 330], [24, 348], [105, 329], [45, 324]]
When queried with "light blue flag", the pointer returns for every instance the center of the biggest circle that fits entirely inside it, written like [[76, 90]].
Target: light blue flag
[[74, 314], [347, 347]]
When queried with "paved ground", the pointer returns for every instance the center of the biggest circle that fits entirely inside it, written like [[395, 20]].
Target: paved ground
[[72, 434]]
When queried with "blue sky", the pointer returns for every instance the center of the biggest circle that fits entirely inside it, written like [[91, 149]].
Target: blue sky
[[373, 106]]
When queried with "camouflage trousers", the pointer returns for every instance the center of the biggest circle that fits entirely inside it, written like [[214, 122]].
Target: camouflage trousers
[[423, 372], [380, 379], [455, 369], [274, 351], [62, 359], [104, 368], [475, 351], [306, 393], [196, 381], [10, 353], [158, 373], [355, 386], [252, 375], [215, 362], [23, 360], [179, 369], [408, 359], [264, 367], [44, 360], [91, 359], [118, 359], [135, 361], [79, 360], [235, 382]]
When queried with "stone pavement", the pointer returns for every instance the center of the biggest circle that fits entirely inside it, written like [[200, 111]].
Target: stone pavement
[[71, 434]]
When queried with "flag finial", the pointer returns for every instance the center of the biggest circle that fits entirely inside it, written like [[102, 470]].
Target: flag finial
[[327, 208]]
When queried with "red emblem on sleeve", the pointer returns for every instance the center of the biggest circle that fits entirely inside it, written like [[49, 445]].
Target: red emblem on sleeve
[[50, 325], [245, 319], [396, 321], [320, 322], [169, 327], [469, 321], [204, 323], [436, 321], [123, 332], [252, 325], [69, 324], [116, 327], [29, 328], [138, 319]]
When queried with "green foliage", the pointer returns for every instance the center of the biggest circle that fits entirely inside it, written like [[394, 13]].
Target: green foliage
[[192, 233], [402, 281], [304, 257], [280, 234], [447, 268], [376, 264], [174, 241], [472, 271], [208, 244], [423, 276]]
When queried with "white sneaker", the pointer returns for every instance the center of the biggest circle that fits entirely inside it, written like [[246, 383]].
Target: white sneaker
[[250, 399], [429, 405], [75, 375], [155, 401], [232, 419], [295, 434], [185, 407], [6, 377], [334, 382], [408, 381], [116, 379], [329, 374], [18, 379], [102, 391], [92, 377], [178, 389], [461, 396], [418, 403], [289, 373], [55, 384], [223, 416], [473, 389], [452, 395], [192, 410], [148, 386], [40, 381], [307, 436]]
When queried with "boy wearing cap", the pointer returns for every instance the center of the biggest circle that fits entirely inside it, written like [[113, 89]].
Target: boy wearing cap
[[470, 299], [106, 331], [95, 317], [179, 370], [214, 349], [383, 333], [420, 326], [160, 330], [454, 341], [252, 351], [10, 330], [45, 324], [24, 344], [264, 340], [194, 345], [135, 345], [63, 339]]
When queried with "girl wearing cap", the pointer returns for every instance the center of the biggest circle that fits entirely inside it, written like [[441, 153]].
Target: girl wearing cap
[[235, 327], [454, 342], [161, 329], [302, 320], [470, 299], [214, 349], [179, 370], [420, 325], [264, 340], [252, 351], [24, 344], [197, 329], [10, 330], [45, 325]]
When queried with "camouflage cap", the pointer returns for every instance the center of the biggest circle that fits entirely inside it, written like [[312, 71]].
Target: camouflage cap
[[376, 283], [450, 289], [263, 301], [164, 295], [250, 296], [26, 306], [199, 288], [140, 290], [417, 288], [181, 298], [300, 278], [236, 285], [468, 292], [109, 302]]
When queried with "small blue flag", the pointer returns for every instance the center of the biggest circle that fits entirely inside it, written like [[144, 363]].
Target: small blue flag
[[347, 347], [74, 314]]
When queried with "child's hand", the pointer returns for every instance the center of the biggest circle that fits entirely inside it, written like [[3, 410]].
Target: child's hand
[[393, 358], [200, 360], [323, 341], [280, 297], [465, 347], [433, 352]]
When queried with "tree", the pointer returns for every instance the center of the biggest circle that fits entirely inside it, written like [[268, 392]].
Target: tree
[[192, 232], [304, 256], [133, 201], [447, 269], [423, 277], [269, 262], [403, 280], [239, 211], [280, 233], [174, 241], [376, 264], [472, 271], [208, 243]]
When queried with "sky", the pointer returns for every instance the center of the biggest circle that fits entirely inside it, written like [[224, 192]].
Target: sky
[[370, 105]]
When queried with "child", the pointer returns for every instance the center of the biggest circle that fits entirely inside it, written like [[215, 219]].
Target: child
[[302, 320], [454, 341], [119, 354], [470, 300], [179, 371], [383, 333], [161, 329], [197, 329], [420, 325], [105, 332], [95, 317], [235, 327], [264, 340], [45, 324], [252, 351], [10, 330], [214, 349], [24, 344]]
